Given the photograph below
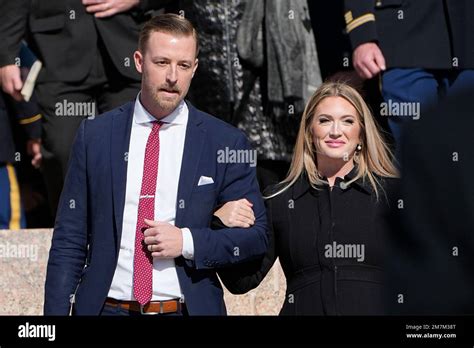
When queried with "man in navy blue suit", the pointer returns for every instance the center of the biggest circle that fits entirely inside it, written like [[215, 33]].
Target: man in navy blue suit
[[132, 231]]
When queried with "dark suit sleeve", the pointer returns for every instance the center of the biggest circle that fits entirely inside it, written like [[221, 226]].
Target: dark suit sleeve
[[360, 21], [13, 21], [215, 249], [68, 251], [148, 5], [245, 277]]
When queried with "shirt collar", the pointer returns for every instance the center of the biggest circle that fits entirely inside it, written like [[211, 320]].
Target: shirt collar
[[177, 116]]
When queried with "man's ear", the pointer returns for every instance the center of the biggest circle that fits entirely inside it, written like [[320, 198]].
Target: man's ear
[[196, 63], [138, 58]]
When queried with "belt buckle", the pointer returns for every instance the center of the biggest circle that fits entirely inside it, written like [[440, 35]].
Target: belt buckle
[[151, 313]]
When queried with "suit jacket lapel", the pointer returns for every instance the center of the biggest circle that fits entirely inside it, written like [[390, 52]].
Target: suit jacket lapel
[[193, 145], [120, 141]]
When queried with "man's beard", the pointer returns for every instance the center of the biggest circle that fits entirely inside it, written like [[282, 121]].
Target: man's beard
[[167, 104]]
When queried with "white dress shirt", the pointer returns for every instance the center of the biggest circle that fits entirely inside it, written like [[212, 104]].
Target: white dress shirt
[[172, 135]]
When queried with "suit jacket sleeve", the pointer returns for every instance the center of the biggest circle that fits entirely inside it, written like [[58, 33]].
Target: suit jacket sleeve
[[215, 249], [67, 256], [245, 277], [13, 22], [148, 5], [360, 21]]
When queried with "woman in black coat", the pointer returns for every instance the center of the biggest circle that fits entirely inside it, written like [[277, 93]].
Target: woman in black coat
[[330, 217]]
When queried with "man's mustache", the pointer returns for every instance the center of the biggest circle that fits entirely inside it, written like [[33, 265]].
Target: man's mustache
[[169, 89]]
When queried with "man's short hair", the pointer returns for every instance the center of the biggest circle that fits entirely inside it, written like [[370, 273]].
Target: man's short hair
[[169, 23]]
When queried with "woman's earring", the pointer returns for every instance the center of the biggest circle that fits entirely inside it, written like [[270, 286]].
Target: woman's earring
[[359, 147]]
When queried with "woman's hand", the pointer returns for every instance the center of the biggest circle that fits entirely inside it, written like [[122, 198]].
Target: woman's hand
[[236, 214]]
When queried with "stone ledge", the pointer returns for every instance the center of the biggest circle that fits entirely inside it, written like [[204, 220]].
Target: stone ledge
[[23, 259]]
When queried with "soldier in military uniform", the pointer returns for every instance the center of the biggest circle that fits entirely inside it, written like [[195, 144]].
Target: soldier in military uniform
[[27, 116], [422, 50]]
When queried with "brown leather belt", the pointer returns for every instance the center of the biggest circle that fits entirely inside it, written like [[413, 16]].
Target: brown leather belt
[[153, 307]]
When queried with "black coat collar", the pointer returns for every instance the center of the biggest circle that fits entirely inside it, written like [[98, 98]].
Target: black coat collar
[[302, 185]]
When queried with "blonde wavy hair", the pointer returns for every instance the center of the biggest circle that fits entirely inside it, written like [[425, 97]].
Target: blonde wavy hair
[[375, 158]]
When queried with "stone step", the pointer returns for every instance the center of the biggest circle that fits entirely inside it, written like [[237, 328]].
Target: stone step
[[23, 259]]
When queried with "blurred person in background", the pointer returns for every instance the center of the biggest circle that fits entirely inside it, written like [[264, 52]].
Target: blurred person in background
[[431, 254]]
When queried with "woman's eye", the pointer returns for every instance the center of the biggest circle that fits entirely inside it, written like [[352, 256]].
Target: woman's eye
[[323, 120], [349, 121]]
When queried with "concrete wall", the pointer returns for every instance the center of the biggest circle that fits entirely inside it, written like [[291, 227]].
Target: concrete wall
[[23, 259]]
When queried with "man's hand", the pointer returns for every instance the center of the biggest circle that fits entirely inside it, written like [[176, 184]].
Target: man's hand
[[368, 60], [108, 8], [11, 81], [236, 214], [33, 148], [164, 240]]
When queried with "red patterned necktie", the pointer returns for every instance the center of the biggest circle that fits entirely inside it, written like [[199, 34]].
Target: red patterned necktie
[[143, 261]]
